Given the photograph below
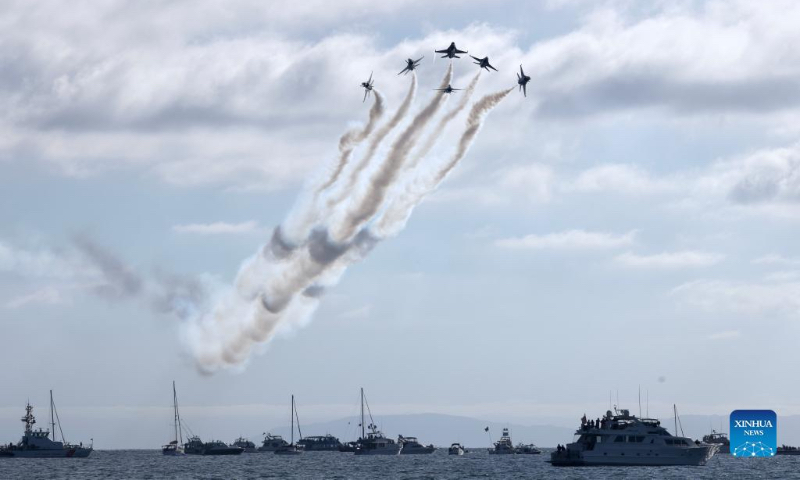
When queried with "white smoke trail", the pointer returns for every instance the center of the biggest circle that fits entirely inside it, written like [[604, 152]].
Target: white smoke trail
[[352, 138], [277, 291], [396, 215], [346, 187], [436, 134], [304, 214], [360, 211]]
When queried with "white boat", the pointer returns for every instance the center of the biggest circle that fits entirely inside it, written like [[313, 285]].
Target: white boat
[[504, 445], [374, 442], [624, 439], [246, 445], [39, 444], [720, 439], [175, 447], [526, 449], [411, 446], [456, 449], [292, 448], [272, 442]]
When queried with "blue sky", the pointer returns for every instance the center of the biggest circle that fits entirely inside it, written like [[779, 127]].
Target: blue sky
[[631, 222]]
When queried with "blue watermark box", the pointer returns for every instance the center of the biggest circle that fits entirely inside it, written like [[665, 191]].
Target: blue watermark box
[[754, 433]]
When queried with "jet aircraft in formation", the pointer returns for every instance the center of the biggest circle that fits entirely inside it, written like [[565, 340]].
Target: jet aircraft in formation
[[452, 52], [449, 89], [483, 62], [411, 65], [523, 80], [367, 87]]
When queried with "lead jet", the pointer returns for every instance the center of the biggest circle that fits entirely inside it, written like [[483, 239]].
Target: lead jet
[[523, 80], [451, 51], [367, 87], [449, 89], [483, 62], [411, 65]]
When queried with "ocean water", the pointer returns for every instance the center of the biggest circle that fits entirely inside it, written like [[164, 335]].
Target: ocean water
[[150, 464]]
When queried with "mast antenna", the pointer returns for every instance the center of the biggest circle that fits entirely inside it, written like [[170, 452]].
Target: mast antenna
[[52, 417]]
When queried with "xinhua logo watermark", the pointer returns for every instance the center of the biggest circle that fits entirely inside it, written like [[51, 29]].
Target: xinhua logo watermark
[[754, 433]]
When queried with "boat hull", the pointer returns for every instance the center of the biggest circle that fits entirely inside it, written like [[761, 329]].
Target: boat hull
[[391, 450], [695, 456], [55, 453], [417, 451]]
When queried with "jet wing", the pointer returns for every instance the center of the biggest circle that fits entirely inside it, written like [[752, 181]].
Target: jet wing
[[440, 51], [490, 66], [419, 59], [525, 90], [366, 92], [460, 51], [476, 58]]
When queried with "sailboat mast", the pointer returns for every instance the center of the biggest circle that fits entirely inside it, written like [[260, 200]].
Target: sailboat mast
[[52, 417], [675, 413], [175, 410], [292, 415], [362, 413]]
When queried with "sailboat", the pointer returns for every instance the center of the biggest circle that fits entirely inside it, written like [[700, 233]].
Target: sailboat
[[374, 442], [175, 447], [292, 448]]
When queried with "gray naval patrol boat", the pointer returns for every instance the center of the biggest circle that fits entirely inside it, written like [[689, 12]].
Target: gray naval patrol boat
[[39, 444], [626, 440]]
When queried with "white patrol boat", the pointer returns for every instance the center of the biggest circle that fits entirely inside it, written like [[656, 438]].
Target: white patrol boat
[[624, 439], [39, 444], [504, 446]]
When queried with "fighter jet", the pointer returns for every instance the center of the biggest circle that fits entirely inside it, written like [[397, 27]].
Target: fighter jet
[[367, 87], [411, 65], [523, 80], [451, 51], [449, 89], [483, 62]]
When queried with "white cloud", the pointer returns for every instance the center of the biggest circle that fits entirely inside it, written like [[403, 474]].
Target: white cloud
[[620, 178], [217, 228], [40, 262], [669, 260], [357, 313], [725, 335], [775, 259], [532, 181], [47, 295], [742, 297], [570, 239]]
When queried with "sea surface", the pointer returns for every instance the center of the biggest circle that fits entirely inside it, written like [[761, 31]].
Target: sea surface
[[146, 464]]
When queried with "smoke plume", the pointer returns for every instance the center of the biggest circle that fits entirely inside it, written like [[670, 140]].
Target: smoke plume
[[396, 215], [280, 286], [436, 134], [379, 136], [351, 139], [363, 209]]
